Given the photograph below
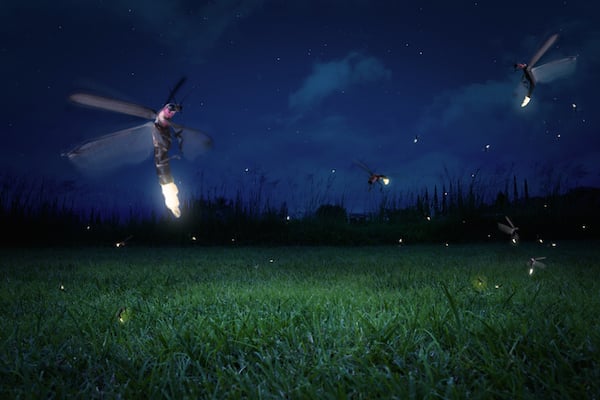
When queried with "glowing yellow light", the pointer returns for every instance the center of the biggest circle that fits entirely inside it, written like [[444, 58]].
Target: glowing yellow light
[[583, 227], [194, 238], [428, 218], [62, 287], [170, 191], [271, 260], [446, 244], [385, 180], [88, 227], [574, 105], [123, 315], [479, 283], [531, 271], [526, 101], [287, 218], [540, 241], [553, 244], [400, 241], [232, 240]]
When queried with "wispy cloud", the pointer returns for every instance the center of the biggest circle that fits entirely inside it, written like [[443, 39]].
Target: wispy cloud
[[327, 78]]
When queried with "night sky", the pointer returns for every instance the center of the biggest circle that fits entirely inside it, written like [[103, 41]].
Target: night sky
[[293, 92]]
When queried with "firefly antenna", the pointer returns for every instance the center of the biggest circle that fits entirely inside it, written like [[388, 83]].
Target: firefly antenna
[[175, 89]]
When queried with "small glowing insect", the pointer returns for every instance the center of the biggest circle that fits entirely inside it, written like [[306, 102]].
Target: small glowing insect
[[122, 243], [534, 262], [123, 315], [373, 177], [546, 72], [416, 139], [479, 283], [509, 229], [62, 287]]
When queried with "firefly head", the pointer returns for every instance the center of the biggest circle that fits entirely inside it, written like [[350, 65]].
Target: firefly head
[[520, 66], [170, 109]]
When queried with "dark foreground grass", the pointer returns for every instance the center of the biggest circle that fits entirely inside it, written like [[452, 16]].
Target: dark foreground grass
[[372, 322]]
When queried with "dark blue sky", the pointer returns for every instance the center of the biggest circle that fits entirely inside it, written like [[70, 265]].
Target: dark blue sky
[[293, 91]]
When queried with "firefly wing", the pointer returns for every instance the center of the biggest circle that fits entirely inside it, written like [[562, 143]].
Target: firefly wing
[[106, 103], [554, 69], [509, 221], [363, 166], [194, 142], [542, 50], [505, 228], [109, 152]]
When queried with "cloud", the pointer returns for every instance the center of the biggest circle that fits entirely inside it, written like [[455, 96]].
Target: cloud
[[326, 78]]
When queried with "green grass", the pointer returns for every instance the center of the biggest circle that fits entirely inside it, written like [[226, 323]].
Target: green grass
[[407, 322]]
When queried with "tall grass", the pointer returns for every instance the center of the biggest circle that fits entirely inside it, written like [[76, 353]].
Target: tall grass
[[38, 212], [300, 322]]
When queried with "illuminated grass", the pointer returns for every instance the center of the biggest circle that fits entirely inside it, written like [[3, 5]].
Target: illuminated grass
[[306, 322]]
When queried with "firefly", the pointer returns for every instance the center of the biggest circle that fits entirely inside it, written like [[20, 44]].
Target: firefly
[[535, 262], [373, 177], [135, 144], [509, 229], [122, 243], [546, 72]]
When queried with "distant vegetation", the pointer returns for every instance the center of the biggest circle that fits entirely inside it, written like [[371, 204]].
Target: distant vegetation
[[36, 213]]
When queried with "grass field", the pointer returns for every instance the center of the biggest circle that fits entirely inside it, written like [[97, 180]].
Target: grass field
[[421, 321]]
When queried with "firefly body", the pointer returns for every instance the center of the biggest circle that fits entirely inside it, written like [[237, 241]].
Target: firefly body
[[509, 229], [135, 144], [373, 177], [546, 72]]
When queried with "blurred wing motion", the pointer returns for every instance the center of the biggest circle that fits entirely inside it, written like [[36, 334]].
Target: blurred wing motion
[[108, 152], [363, 166], [509, 222], [133, 145], [505, 228], [193, 142], [509, 229], [537, 263], [554, 69], [106, 103], [542, 50]]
